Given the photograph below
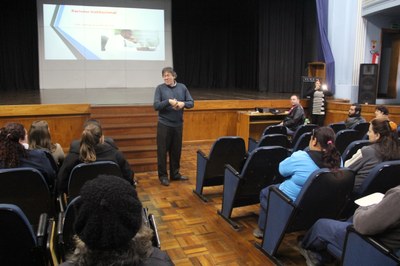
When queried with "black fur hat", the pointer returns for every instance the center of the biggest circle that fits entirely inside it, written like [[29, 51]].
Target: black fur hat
[[109, 213]]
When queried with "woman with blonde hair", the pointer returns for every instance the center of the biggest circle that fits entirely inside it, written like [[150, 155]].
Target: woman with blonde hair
[[40, 138], [92, 149]]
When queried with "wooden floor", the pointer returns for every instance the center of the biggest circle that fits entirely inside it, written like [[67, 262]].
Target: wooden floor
[[193, 233]]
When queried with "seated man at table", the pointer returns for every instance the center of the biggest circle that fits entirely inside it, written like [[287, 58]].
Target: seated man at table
[[295, 117]]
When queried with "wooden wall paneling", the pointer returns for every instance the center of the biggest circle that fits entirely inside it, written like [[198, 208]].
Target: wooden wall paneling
[[65, 120], [338, 111]]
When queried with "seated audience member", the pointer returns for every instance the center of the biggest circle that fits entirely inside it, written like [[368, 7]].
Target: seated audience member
[[14, 153], [384, 147], [354, 116], [299, 166], [296, 117], [75, 144], [109, 227], [92, 148], [39, 138], [381, 220], [382, 112]]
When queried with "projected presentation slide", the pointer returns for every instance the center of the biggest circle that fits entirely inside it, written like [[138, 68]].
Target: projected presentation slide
[[74, 32]]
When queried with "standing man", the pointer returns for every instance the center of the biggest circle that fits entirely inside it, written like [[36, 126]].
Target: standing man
[[354, 116], [295, 117], [170, 99]]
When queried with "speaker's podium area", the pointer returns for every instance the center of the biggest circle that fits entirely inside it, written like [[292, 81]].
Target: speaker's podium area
[[316, 71]]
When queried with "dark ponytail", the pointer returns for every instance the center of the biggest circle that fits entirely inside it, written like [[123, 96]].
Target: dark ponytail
[[325, 137]]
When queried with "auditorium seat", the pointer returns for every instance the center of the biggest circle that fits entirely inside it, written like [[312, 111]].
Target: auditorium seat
[[353, 147], [323, 196], [381, 178], [269, 140], [272, 129], [302, 142], [27, 188], [210, 169], [337, 126], [86, 171], [301, 130], [366, 250], [362, 129], [19, 244], [242, 186], [344, 138]]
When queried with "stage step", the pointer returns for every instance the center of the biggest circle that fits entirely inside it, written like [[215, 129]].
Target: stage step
[[134, 130], [118, 118]]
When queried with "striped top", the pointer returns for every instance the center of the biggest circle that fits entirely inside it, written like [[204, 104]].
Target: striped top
[[318, 103]]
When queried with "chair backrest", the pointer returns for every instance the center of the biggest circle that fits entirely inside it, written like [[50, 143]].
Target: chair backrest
[[337, 126], [364, 250], [259, 171], [18, 243], [382, 177], [301, 130], [324, 195], [344, 138], [302, 142], [274, 140], [225, 150], [362, 128], [353, 147], [66, 230], [87, 171], [275, 129], [26, 188]]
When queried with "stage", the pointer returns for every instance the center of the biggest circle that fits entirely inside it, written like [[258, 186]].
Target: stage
[[124, 96]]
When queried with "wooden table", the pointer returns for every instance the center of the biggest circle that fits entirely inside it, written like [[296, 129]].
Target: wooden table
[[252, 124]]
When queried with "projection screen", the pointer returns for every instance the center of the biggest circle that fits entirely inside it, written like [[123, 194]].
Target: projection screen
[[103, 44]]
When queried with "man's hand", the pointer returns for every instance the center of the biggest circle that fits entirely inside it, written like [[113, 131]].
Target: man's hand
[[173, 102], [180, 105]]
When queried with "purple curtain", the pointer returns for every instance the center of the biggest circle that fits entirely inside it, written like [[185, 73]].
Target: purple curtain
[[325, 52]]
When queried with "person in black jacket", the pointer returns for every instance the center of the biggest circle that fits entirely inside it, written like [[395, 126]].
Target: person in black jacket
[[296, 117], [109, 227], [92, 148]]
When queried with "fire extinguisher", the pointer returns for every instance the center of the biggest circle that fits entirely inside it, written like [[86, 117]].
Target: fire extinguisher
[[375, 58]]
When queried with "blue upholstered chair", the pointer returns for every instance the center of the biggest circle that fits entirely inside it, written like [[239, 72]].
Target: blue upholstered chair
[[210, 169], [361, 128], [337, 126], [302, 142], [19, 244], [65, 229], [367, 251], [344, 138], [242, 186], [381, 178], [270, 140], [323, 196], [301, 130], [272, 129], [27, 188], [353, 147], [87, 171]]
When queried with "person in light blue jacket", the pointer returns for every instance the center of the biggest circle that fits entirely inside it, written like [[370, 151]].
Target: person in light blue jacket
[[299, 166]]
